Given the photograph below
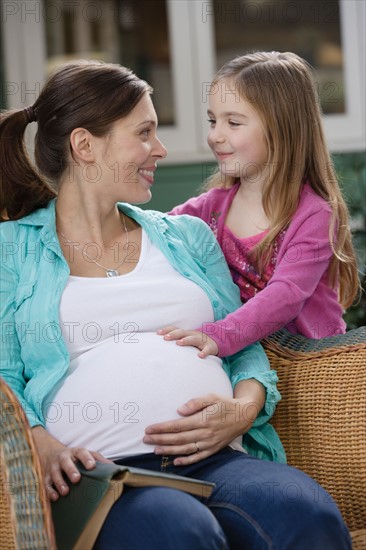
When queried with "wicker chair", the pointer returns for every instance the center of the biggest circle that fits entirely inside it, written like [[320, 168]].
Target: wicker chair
[[25, 514], [321, 421]]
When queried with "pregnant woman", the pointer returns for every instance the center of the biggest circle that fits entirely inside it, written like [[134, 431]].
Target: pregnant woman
[[86, 282]]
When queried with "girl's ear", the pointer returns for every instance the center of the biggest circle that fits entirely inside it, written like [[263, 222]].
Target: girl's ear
[[81, 145]]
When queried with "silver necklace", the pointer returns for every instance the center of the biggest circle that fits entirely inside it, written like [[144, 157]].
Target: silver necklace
[[109, 271]]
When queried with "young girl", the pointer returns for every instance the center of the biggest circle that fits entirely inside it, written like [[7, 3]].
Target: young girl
[[275, 207]]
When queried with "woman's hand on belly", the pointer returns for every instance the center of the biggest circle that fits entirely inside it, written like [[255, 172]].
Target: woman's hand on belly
[[210, 423], [58, 460]]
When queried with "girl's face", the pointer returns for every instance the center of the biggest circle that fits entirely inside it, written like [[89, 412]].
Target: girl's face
[[236, 135], [129, 154]]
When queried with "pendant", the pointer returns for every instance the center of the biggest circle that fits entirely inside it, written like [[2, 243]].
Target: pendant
[[112, 273]]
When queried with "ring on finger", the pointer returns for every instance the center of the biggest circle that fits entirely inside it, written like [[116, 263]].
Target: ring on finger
[[197, 447]]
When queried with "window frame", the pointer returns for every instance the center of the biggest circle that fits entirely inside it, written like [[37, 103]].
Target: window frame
[[192, 53], [344, 132]]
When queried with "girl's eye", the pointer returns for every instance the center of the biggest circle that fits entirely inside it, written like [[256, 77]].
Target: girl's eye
[[232, 123], [211, 121]]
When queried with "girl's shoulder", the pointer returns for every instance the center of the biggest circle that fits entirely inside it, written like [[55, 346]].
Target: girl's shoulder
[[312, 216], [311, 201], [220, 192], [207, 202], [216, 196]]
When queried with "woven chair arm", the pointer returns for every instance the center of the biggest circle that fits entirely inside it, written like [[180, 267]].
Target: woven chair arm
[[25, 514], [321, 419]]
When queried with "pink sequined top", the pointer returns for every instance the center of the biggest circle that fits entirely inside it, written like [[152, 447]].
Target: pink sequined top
[[293, 292], [242, 267]]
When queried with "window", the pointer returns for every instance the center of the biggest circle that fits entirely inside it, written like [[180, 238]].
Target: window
[[135, 34], [311, 29], [328, 34], [116, 31], [177, 46]]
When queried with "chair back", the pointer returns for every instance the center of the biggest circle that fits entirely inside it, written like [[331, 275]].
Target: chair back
[[321, 419]]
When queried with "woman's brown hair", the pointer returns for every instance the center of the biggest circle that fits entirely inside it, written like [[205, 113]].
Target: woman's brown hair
[[281, 89], [87, 94]]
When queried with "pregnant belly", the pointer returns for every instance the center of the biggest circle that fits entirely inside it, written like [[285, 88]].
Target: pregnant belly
[[112, 392]]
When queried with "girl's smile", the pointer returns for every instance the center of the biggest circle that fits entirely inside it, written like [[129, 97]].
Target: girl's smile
[[237, 137]]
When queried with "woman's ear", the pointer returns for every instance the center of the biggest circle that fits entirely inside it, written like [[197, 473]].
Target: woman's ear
[[81, 145]]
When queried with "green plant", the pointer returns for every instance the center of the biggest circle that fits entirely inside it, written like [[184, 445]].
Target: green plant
[[351, 170]]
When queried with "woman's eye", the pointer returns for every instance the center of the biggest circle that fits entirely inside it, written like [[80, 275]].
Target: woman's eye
[[211, 121], [146, 132], [232, 123]]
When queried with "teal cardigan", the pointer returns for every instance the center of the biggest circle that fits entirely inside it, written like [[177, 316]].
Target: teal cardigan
[[34, 273]]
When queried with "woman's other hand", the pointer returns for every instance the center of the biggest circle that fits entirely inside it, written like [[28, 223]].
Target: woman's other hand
[[195, 338], [210, 423], [58, 461]]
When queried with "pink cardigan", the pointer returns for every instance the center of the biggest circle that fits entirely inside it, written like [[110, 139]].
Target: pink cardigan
[[297, 296]]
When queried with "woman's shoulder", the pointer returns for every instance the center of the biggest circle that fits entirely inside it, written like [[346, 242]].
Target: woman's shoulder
[[181, 232], [187, 222], [140, 214], [182, 223], [8, 229], [41, 216]]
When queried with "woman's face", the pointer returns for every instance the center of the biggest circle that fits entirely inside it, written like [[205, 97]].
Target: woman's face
[[129, 154], [236, 135]]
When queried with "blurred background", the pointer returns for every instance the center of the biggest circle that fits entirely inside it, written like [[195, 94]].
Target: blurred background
[[177, 46]]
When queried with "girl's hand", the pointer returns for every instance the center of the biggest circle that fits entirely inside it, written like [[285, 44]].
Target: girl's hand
[[193, 338], [210, 423], [57, 460]]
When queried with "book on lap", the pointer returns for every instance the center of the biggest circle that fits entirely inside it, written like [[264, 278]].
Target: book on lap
[[79, 516]]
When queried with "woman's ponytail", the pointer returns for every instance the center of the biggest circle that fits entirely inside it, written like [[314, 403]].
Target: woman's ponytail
[[22, 189]]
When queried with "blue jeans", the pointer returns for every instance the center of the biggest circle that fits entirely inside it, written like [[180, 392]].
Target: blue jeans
[[256, 505]]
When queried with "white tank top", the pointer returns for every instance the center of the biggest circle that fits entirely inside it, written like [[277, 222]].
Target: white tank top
[[122, 375]]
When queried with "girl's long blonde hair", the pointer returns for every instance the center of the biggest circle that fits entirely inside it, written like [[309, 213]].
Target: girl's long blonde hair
[[281, 89]]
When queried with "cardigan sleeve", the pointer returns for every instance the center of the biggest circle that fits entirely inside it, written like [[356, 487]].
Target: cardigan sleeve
[[298, 272], [11, 364]]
